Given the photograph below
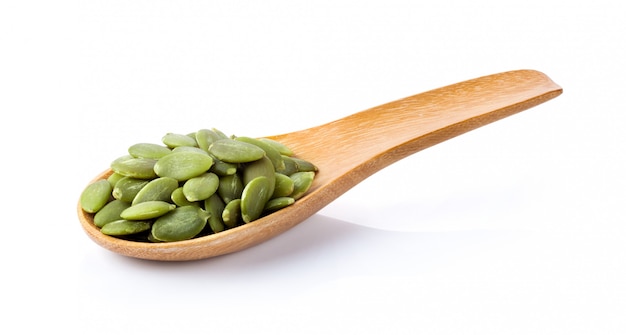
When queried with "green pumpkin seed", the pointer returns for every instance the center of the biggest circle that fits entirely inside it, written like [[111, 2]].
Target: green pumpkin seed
[[215, 207], [304, 165], [110, 212], [290, 166], [283, 149], [230, 188], [231, 215], [124, 227], [147, 210], [148, 150], [95, 196], [201, 187], [270, 151], [127, 188], [174, 140], [302, 181], [261, 167], [186, 148], [206, 137], [231, 151], [254, 197], [222, 168], [129, 166], [178, 197], [183, 165], [157, 189], [219, 133], [283, 186], [278, 203], [114, 178], [180, 224]]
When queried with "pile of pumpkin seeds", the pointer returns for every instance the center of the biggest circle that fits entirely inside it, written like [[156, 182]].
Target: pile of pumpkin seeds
[[194, 185]]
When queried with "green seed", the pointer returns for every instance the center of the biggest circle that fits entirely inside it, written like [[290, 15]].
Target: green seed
[[194, 149], [124, 227], [283, 149], [290, 166], [173, 140], [201, 187], [95, 196], [278, 203], [222, 168], [303, 165], [231, 215], [114, 178], [254, 197], [283, 186], [215, 207], [270, 151], [127, 188], [110, 212], [183, 165], [231, 151], [129, 166], [219, 133], [302, 181], [180, 224], [147, 210], [261, 167], [178, 197], [148, 150], [230, 188], [157, 189], [206, 137]]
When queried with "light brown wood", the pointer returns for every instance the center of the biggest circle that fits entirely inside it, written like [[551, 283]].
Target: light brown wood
[[353, 148]]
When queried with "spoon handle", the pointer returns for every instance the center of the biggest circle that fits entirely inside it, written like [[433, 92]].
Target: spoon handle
[[375, 138]]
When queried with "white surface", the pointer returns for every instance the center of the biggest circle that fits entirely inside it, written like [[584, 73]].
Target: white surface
[[515, 228]]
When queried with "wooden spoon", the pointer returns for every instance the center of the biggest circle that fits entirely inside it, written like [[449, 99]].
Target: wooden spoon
[[351, 149]]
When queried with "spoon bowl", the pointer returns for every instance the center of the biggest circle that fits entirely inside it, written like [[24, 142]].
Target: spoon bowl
[[348, 150]]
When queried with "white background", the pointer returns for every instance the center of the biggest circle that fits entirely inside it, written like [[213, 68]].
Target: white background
[[515, 228]]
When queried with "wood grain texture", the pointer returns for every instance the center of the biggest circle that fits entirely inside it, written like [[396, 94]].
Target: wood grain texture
[[350, 149]]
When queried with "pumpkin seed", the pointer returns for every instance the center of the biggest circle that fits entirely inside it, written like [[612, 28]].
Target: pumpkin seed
[[254, 197], [95, 196], [183, 165], [230, 187], [157, 189], [129, 166], [206, 137], [147, 210], [215, 207], [283, 149], [270, 151], [302, 181], [174, 140], [127, 188], [110, 212], [231, 151], [261, 167], [278, 203], [231, 215], [180, 224], [125, 227], [283, 186], [178, 197], [201, 187], [148, 150]]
